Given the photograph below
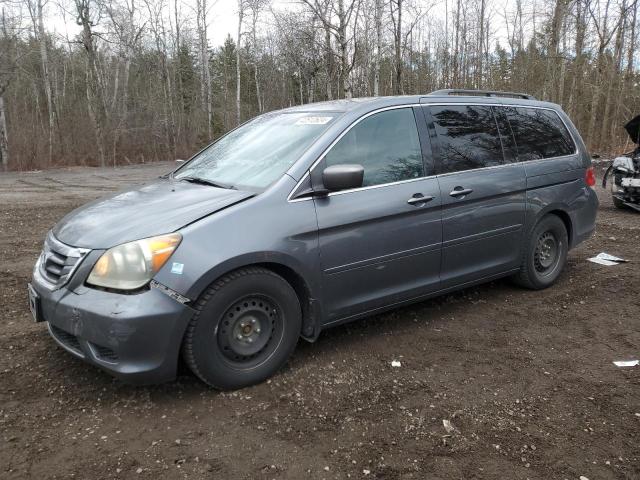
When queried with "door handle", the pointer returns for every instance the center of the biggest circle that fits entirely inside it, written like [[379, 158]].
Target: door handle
[[460, 192], [417, 200]]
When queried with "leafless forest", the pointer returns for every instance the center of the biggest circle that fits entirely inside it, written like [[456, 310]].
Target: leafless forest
[[142, 81]]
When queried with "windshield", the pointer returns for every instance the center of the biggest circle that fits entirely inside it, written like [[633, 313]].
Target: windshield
[[256, 154]]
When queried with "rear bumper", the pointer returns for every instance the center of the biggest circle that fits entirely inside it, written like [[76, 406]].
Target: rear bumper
[[134, 337]]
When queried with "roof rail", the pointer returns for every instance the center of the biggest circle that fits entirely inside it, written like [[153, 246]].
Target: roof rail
[[481, 93]]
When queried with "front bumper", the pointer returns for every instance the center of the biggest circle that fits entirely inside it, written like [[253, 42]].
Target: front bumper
[[134, 337]]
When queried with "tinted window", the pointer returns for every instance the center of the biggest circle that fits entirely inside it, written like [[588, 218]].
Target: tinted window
[[539, 133], [386, 144], [467, 136]]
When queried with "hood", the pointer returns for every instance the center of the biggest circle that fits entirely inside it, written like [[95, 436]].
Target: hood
[[633, 129], [153, 209]]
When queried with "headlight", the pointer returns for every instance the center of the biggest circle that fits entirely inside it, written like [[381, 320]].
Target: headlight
[[132, 265]]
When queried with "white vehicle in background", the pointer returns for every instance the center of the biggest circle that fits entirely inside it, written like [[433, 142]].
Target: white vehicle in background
[[625, 172]]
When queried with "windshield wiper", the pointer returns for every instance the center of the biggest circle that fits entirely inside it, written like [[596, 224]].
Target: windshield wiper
[[204, 181]]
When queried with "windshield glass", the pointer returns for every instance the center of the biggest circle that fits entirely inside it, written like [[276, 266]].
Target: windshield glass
[[256, 154]]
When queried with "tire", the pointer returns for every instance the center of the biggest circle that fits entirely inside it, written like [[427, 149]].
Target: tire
[[545, 254], [247, 324], [618, 203]]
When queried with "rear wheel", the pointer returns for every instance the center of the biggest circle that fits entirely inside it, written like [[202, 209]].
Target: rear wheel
[[545, 254], [246, 326]]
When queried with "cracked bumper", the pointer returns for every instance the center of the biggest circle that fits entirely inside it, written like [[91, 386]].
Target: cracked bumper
[[134, 337]]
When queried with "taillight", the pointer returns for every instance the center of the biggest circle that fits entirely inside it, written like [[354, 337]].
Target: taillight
[[590, 177]]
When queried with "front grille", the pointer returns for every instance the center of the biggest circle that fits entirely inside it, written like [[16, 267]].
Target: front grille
[[58, 261], [67, 339]]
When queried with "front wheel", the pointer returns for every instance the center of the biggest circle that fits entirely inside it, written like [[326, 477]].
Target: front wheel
[[545, 254], [618, 203], [246, 326]]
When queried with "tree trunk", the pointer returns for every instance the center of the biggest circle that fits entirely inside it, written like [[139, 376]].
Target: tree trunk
[[205, 85], [4, 138], [456, 49], [614, 67], [479, 68], [46, 77], [576, 80], [329, 62], [95, 98], [238, 46], [256, 75], [557, 20], [377, 56], [397, 34]]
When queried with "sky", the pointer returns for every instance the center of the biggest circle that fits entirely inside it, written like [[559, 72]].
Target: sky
[[222, 18]]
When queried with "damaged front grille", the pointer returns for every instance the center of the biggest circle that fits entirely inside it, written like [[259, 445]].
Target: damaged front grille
[[58, 261]]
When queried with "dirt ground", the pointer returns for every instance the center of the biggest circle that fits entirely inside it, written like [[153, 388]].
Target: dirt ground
[[526, 379]]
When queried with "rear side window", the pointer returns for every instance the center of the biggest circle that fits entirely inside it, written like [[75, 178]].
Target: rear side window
[[539, 133], [468, 137], [386, 144]]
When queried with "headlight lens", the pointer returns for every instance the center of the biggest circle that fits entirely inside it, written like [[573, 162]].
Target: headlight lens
[[132, 265]]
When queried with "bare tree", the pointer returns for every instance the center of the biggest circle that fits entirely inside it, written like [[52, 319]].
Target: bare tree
[[123, 16], [8, 66], [400, 36], [257, 7], [378, 53], [203, 43], [347, 17], [242, 6], [37, 18], [140, 79], [95, 91]]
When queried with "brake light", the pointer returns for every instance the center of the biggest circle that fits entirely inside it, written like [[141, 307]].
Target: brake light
[[590, 177]]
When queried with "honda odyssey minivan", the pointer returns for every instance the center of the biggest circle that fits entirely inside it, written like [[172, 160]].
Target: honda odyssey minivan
[[309, 217]]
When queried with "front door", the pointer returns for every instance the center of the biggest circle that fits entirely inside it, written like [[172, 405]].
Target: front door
[[483, 192], [380, 244]]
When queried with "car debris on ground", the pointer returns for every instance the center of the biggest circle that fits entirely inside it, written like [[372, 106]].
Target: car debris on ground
[[606, 259], [626, 363]]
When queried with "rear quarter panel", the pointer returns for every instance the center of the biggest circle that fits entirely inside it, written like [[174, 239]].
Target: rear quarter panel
[[559, 184]]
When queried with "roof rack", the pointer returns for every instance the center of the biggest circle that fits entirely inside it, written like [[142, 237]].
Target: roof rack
[[482, 93]]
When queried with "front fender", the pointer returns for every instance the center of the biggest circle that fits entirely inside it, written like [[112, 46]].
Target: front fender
[[264, 230]]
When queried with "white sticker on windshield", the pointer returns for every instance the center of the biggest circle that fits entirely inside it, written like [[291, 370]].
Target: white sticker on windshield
[[313, 120]]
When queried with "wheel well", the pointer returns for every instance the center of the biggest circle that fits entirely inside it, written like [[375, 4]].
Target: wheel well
[[564, 216], [302, 291]]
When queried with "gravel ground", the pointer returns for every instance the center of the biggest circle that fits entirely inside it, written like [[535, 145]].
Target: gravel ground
[[525, 379]]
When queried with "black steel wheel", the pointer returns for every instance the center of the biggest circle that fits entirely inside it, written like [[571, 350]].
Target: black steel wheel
[[547, 253], [544, 255], [250, 330], [246, 326]]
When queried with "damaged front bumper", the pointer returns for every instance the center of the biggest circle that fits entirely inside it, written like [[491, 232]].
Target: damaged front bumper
[[135, 337], [626, 203]]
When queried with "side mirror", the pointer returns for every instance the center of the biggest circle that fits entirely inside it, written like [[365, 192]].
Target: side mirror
[[342, 177], [180, 162]]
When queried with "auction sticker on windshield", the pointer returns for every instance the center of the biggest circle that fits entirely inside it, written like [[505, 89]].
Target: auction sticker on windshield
[[313, 120]]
